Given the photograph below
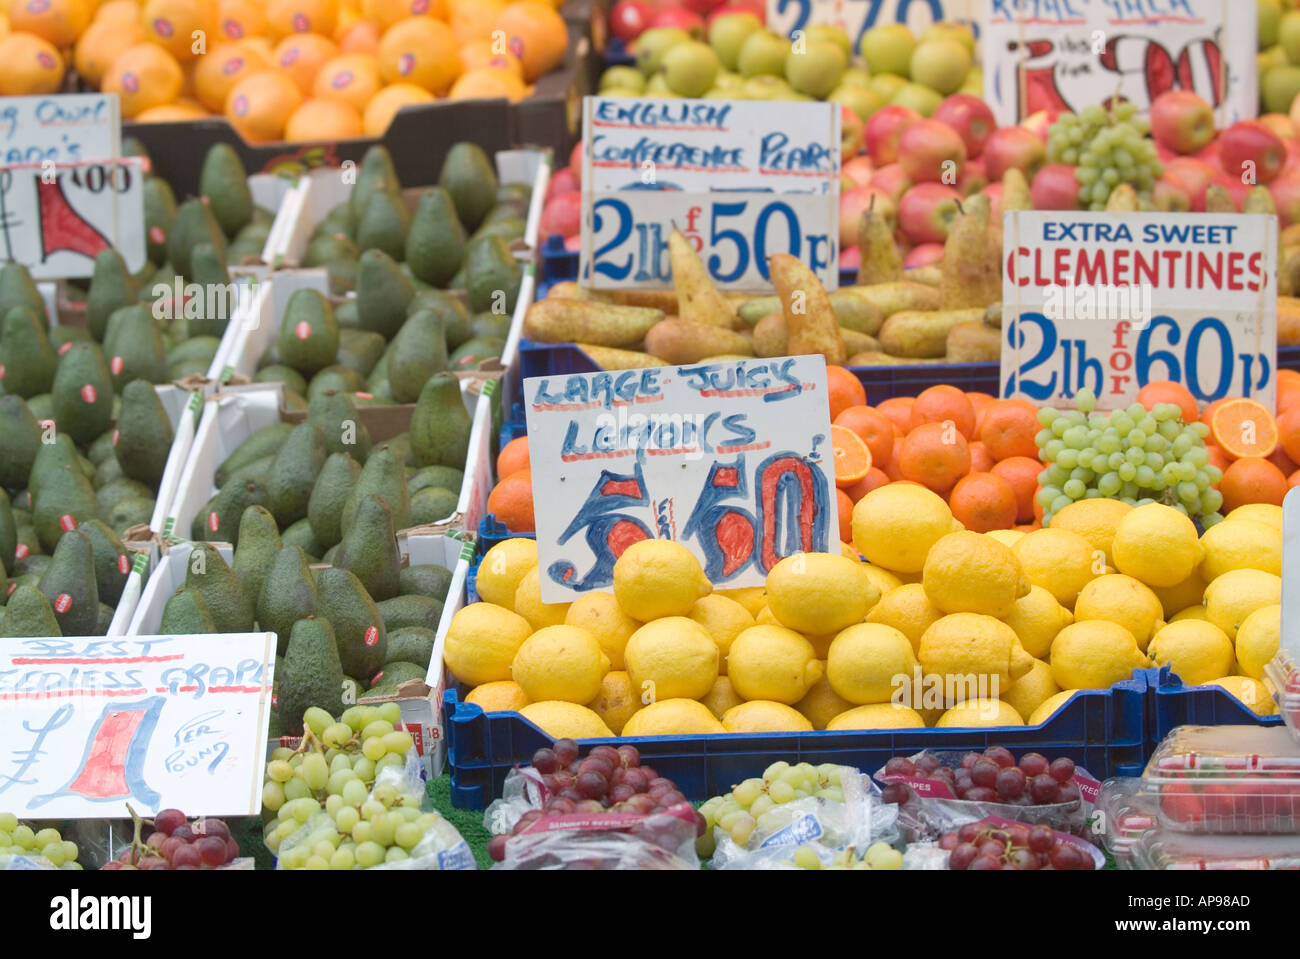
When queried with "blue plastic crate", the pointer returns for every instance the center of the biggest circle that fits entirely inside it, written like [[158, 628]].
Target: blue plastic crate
[[1174, 704], [1102, 730], [491, 532], [1288, 358]]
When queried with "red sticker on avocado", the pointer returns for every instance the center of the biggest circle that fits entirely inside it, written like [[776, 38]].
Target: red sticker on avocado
[[116, 365], [12, 587], [67, 523], [275, 699], [21, 551], [372, 636], [123, 564], [374, 681], [365, 396], [88, 393], [302, 330], [2, 371], [65, 347], [157, 234], [63, 603], [115, 437], [213, 522]]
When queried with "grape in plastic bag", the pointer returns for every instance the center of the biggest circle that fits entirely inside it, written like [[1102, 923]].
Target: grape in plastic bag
[[658, 840]]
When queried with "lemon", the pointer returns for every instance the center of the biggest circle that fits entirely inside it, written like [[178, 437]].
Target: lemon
[[980, 712], [849, 552], [772, 662], [671, 658], [1252, 693], [1059, 561], [502, 696], [972, 573], [968, 650], [502, 568], [765, 716], [895, 525], [657, 577], [1094, 655], [616, 701], [822, 703], [765, 617], [529, 605], [868, 663], [751, 597], [819, 592], [1241, 544], [1007, 537], [1036, 618], [724, 619], [1258, 639], [1235, 595], [721, 697], [1121, 599], [883, 579], [673, 717], [1197, 652], [1176, 598], [1156, 544], [1095, 520], [1049, 706], [1260, 512], [1031, 690], [878, 715], [481, 643], [1191, 612], [907, 609], [600, 615], [563, 720], [821, 643], [560, 662]]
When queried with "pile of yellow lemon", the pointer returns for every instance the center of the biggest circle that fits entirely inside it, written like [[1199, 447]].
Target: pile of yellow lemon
[[1003, 627]]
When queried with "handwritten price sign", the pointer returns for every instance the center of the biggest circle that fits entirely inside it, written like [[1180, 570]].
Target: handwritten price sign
[[742, 180], [65, 192], [90, 724], [856, 17], [1064, 55], [1112, 302], [733, 460]]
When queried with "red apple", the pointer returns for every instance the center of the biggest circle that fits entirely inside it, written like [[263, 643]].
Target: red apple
[[994, 192], [883, 130], [692, 23], [923, 255], [1163, 153], [1192, 176], [562, 214], [1182, 121], [852, 133], [1250, 151], [575, 160], [562, 181], [1292, 156], [1055, 188], [892, 179], [573, 244], [930, 151], [629, 18], [850, 258], [1209, 153], [1280, 124], [859, 170], [970, 117], [757, 7], [700, 7], [1170, 196], [1039, 123], [854, 203], [973, 177], [1013, 147], [926, 211]]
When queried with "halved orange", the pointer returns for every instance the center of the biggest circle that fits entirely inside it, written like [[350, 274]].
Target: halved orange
[[852, 456], [1242, 427]]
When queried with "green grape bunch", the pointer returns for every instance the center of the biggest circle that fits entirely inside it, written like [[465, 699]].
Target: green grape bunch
[[1135, 455], [1106, 148], [740, 812]]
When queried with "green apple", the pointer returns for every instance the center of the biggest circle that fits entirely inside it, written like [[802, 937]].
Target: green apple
[[815, 67], [690, 68], [951, 31], [728, 33], [718, 93], [1278, 88], [826, 31], [658, 87], [861, 100], [888, 48], [623, 78], [887, 84], [921, 99], [766, 87], [763, 52], [621, 92], [726, 80], [974, 84], [1288, 34], [1270, 12], [856, 77], [654, 43], [941, 65]]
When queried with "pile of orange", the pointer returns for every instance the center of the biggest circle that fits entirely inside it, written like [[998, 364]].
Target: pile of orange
[[511, 500], [282, 69]]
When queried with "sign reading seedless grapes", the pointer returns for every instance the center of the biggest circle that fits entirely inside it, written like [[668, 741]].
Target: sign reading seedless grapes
[[1112, 302]]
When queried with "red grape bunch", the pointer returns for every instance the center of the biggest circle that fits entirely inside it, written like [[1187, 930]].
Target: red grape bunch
[[985, 845], [991, 777], [177, 843]]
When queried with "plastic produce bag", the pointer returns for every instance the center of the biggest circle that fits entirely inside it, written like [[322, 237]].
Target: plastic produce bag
[[659, 840], [522, 792]]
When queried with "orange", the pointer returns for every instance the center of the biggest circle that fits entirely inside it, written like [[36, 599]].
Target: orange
[[58, 21], [383, 106], [1009, 429], [942, 403], [117, 11], [178, 112], [360, 37], [1242, 427], [844, 510], [488, 83], [1251, 479], [934, 456], [100, 45], [1217, 456], [1021, 474], [481, 54], [899, 410], [1288, 432], [512, 502], [843, 390], [422, 51], [218, 71], [31, 66], [983, 502], [852, 457], [259, 105], [144, 75], [323, 119], [353, 77], [179, 26], [1293, 480], [238, 19], [875, 477], [1288, 389], [890, 466], [1207, 414], [536, 34], [284, 17], [875, 429], [473, 20], [389, 12], [979, 402], [301, 57], [513, 456], [1283, 462], [981, 460], [1167, 391]]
